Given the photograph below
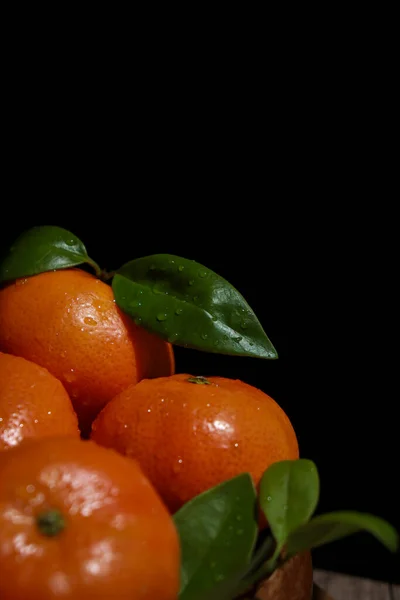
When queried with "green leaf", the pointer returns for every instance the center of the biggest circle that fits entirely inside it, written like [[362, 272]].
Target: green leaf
[[189, 305], [334, 526], [217, 530], [43, 249], [289, 493]]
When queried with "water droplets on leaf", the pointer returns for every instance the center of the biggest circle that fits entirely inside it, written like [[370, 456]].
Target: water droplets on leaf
[[135, 304], [243, 324], [179, 311], [180, 268], [202, 273], [161, 316], [204, 336], [191, 281], [70, 242]]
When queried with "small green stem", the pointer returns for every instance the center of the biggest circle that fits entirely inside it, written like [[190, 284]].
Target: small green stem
[[199, 379], [50, 522], [95, 266]]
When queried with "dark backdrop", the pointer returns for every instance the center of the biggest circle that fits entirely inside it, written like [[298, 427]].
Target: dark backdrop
[[312, 283]]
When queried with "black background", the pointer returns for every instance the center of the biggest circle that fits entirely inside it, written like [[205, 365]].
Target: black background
[[287, 206]]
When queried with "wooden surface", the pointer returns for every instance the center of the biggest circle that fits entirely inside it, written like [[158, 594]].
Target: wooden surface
[[345, 587]]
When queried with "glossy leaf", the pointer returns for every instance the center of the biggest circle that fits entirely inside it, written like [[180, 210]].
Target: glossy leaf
[[184, 302], [289, 493], [218, 530], [334, 526], [43, 249]]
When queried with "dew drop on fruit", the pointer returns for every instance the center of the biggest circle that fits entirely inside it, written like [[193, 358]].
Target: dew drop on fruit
[[90, 321], [204, 336], [161, 317], [202, 273], [180, 268], [269, 498], [179, 311]]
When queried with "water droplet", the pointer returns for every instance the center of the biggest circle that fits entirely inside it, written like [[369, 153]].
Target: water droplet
[[157, 290], [90, 321], [180, 268], [21, 424], [135, 304], [269, 498], [208, 404], [125, 426], [251, 343], [36, 421], [138, 320], [49, 412], [202, 273], [236, 445], [204, 336], [69, 242], [21, 281], [216, 343], [237, 339], [214, 318], [226, 337], [70, 377], [1, 419], [30, 488], [161, 316], [179, 311], [171, 262], [173, 337], [240, 532], [195, 298], [149, 410], [219, 577], [243, 324], [177, 466], [191, 281], [238, 517]]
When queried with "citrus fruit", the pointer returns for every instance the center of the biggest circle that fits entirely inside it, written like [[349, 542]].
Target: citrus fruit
[[33, 403], [191, 433], [78, 521], [67, 321]]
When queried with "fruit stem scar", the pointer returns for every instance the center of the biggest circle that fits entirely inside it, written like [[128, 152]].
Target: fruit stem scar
[[199, 379], [50, 522]]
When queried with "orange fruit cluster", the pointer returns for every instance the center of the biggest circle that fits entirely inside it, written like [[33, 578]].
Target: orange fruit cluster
[[82, 519]]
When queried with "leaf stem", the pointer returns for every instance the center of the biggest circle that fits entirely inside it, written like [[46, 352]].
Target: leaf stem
[[95, 266]]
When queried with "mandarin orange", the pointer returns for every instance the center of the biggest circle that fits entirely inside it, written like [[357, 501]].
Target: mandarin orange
[[67, 321], [33, 403], [78, 521], [191, 433]]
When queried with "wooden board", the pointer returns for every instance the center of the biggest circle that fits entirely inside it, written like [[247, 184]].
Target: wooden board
[[346, 587], [395, 592]]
